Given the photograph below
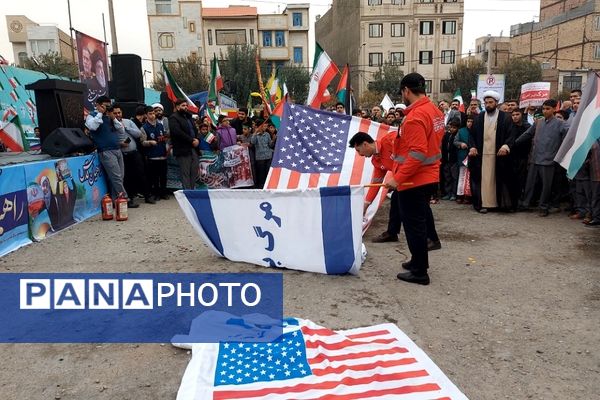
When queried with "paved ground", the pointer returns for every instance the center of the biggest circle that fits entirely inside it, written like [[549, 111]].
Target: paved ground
[[512, 311]]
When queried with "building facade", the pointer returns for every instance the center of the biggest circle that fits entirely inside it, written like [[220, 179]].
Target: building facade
[[423, 36], [30, 39], [182, 28], [566, 41], [494, 51]]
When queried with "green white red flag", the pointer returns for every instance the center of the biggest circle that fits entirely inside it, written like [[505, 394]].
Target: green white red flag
[[216, 81], [174, 92]]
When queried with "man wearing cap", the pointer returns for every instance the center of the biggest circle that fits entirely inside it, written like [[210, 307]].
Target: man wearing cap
[[159, 112], [492, 175], [416, 171]]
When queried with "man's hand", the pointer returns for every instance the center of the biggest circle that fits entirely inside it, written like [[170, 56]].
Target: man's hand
[[391, 184], [504, 151], [124, 145], [152, 142], [463, 146], [473, 152], [100, 108], [195, 143]]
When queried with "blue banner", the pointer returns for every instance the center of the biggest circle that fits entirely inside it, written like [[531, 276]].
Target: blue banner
[[14, 229], [140, 308], [63, 192]]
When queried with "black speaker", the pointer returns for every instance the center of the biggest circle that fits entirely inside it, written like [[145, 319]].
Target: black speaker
[[59, 104], [127, 78], [167, 104], [64, 141]]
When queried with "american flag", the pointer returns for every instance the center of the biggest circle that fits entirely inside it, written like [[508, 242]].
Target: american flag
[[312, 149], [313, 362]]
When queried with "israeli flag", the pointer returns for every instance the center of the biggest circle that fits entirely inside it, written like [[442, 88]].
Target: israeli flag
[[315, 230]]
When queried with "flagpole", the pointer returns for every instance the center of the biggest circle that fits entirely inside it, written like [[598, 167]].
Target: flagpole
[[71, 30]]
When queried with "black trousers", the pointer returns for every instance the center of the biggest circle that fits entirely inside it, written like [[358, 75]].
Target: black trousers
[[157, 175], [545, 175], [418, 224], [395, 221], [135, 181], [262, 170]]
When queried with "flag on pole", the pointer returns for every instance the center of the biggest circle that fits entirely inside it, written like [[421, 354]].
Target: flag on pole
[[313, 362], [584, 130], [344, 90], [174, 92], [458, 96], [11, 133], [273, 88], [324, 70], [216, 81], [386, 103], [278, 113], [269, 227]]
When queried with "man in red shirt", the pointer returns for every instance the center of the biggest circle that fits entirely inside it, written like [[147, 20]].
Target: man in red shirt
[[414, 162]]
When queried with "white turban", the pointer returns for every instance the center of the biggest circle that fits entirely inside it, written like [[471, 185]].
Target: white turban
[[158, 105], [491, 93]]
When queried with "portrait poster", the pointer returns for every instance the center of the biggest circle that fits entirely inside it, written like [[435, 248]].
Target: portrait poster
[[93, 67]]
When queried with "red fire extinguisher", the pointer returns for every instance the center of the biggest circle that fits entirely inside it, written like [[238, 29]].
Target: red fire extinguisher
[[121, 207], [107, 208]]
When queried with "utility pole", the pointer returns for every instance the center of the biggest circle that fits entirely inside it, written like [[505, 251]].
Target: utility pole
[[71, 30], [113, 29]]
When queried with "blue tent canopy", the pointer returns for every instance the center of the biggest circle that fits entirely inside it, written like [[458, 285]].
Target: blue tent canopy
[[201, 97]]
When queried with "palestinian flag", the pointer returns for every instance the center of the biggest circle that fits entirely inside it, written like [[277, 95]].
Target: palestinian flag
[[324, 70], [458, 96], [278, 113], [11, 134], [344, 90], [174, 92], [216, 81], [584, 131]]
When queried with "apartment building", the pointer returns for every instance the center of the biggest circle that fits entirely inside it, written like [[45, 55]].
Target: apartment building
[[494, 51], [423, 36]]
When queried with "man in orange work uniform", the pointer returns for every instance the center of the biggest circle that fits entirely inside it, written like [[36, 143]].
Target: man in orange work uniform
[[415, 166]]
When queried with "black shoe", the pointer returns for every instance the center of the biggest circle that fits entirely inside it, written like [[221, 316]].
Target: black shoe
[[385, 237], [593, 223], [407, 266], [164, 197], [543, 213], [431, 245], [410, 277], [150, 200], [132, 204]]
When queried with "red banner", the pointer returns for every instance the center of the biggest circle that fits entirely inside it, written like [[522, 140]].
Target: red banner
[[534, 94], [93, 68]]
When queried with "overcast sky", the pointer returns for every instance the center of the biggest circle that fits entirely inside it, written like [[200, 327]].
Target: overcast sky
[[482, 17]]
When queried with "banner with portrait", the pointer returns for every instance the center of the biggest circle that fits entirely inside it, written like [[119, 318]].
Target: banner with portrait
[[14, 229], [62, 192], [93, 67]]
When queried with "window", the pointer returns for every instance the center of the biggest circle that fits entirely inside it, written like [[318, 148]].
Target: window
[[448, 56], [426, 28], [166, 40], [42, 46], [398, 30], [374, 2], [596, 54], [399, 2], [425, 1], [267, 38], [192, 27], [425, 57], [298, 59], [22, 58], [297, 19], [210, 37], [230, 36], [279, 39], [446, 86], [251, 36], [397, 58], [375, 59], [597, 23], [449, 27], [427, 86], [572, 82], [375, 30], [163, 6]]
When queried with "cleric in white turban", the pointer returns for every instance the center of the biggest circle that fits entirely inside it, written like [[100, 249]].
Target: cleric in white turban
[[492, 94]]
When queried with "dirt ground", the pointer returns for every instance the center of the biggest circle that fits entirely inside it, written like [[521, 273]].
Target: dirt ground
[[512, 311]]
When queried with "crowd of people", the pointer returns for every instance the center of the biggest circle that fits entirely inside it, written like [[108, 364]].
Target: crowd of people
[[134, 152]]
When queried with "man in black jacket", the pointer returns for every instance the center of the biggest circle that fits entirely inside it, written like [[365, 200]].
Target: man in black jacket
[[519, 154], [185, 144]]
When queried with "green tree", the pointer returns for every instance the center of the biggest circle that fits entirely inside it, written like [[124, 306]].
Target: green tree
[[387, 80], [369, 98], [517, 72], [189, 74], [239, 72], [52, 63], [464, 76], [296, 79]]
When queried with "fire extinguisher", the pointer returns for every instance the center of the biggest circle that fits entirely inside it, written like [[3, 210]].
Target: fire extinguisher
[[121, 207], [107, 208]]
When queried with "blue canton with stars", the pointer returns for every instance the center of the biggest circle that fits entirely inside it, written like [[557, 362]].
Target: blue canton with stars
[[310, 140], [240, 363]]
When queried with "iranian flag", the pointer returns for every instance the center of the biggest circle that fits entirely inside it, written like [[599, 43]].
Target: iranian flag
[[11, 134], [13, 82], [458, 96], [216, 81], [173, 90], [324, 70]]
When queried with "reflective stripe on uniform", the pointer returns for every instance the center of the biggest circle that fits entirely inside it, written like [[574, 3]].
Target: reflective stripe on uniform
[[377, 180], [418, 156]]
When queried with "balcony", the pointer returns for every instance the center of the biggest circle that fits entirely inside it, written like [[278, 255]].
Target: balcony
[[274, 53]]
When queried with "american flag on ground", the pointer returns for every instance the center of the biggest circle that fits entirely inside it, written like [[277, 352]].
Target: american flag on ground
[[312, 362]]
